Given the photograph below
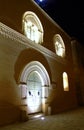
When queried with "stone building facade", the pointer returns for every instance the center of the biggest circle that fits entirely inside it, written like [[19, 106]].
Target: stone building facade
[[36, 63]]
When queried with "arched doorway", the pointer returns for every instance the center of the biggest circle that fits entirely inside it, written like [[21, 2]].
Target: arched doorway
[[34, 92], [37, 83]]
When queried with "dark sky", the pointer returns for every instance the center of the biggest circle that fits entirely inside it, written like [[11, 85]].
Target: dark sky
[[69, 14]]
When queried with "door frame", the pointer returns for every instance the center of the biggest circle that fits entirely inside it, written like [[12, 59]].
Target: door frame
[[45, 79]]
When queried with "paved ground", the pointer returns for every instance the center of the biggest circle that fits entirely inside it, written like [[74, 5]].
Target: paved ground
[[72, 120]]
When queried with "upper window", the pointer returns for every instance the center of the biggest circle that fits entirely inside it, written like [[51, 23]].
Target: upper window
[[32, 27], [59, 45]]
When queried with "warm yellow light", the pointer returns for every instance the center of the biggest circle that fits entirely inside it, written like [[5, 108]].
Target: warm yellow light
[[59, 46], [59, 49], [32, 27], [65, 82], [31, 31], [37, 116]]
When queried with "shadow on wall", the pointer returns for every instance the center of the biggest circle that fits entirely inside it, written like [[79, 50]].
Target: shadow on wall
[[8, 113], [25, 57]]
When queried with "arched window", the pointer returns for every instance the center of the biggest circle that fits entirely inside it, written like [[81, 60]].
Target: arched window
[[32, 27], [65, 82], [59, 45]]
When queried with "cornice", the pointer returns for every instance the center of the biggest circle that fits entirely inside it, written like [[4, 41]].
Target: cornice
[[9, 33]]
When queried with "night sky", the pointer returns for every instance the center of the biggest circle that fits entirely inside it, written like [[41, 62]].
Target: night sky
[[69, 14]]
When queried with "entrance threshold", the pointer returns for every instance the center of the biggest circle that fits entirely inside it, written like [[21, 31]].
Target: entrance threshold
[[35, 116]]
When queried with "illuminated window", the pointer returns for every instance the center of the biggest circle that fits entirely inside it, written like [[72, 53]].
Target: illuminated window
[[32, 27], [65, 82], [59, 45]]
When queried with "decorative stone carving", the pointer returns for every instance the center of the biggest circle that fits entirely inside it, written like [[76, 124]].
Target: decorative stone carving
[[7, 32]]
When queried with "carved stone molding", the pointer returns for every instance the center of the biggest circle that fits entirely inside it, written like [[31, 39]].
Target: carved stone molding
[[7, 32], [12, 34]]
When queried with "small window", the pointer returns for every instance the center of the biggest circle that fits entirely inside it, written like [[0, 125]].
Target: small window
[[65, 82], [59, 46], [32, 27]]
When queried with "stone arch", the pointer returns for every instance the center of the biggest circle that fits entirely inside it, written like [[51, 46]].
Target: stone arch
[[35, 66]]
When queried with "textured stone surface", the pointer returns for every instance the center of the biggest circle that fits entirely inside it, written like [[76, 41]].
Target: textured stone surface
[[71, 120]]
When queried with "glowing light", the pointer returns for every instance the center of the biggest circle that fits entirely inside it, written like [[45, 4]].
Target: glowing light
[[37, 116], [65, 82], [29, 23], [32, 31], [42, 118], [40, 0], [59, 46], [32, 27]]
